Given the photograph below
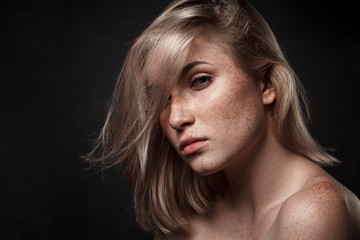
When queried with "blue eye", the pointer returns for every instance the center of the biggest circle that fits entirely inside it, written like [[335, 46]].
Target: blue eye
[[200, 82]]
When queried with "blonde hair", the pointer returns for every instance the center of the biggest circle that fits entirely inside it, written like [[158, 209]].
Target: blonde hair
[[166, 191]]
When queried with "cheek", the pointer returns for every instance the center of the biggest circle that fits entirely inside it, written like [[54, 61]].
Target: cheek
[[237, 108]]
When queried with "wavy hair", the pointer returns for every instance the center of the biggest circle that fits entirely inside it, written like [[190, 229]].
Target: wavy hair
[[166, 191]]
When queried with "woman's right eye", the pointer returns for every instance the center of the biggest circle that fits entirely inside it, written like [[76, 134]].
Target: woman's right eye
[[167, 101]]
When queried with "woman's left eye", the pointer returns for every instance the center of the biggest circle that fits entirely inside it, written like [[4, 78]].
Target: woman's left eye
[[200, 82]]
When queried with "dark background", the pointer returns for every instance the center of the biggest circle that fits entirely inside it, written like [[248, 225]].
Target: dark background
[[59, 63]]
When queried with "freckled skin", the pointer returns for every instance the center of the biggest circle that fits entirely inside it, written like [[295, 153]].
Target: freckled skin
[[326, 208], [271, 192], [229, 112]]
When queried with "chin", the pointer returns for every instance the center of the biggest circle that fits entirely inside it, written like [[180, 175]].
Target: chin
[[204, 167]]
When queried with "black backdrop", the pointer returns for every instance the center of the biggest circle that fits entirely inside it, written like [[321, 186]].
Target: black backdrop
[[59, 64]]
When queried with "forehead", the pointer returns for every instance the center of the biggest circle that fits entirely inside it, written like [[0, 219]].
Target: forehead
[[167, 62], [204, 47]]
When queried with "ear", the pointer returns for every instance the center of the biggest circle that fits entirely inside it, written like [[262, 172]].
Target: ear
[[268, 91]]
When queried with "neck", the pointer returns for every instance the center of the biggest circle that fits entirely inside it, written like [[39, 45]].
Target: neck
[[261, 180]]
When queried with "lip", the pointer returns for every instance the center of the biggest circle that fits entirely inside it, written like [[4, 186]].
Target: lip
[[191, 145]]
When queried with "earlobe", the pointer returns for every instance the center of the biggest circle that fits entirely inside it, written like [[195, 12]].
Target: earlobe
[[268, 92]]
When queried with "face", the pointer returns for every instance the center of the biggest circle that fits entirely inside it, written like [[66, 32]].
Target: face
[[215, 113]]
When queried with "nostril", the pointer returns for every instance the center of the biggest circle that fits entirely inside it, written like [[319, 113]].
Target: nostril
[[185, 125]]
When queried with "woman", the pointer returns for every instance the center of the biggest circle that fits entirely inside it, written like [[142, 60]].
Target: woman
[[207, 119]]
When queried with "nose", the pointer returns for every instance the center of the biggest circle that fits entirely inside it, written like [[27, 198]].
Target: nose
[[181, 115]]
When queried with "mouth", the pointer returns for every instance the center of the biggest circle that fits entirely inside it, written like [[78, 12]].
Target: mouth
[[192, 145]]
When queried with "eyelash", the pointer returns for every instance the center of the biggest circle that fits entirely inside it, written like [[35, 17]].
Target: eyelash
[[202, 84]]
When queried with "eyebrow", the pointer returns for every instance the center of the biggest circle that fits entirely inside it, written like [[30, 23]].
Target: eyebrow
[[189, 66]]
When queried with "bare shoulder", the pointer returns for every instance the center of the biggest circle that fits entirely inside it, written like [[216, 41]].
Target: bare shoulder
[[323, 209]]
